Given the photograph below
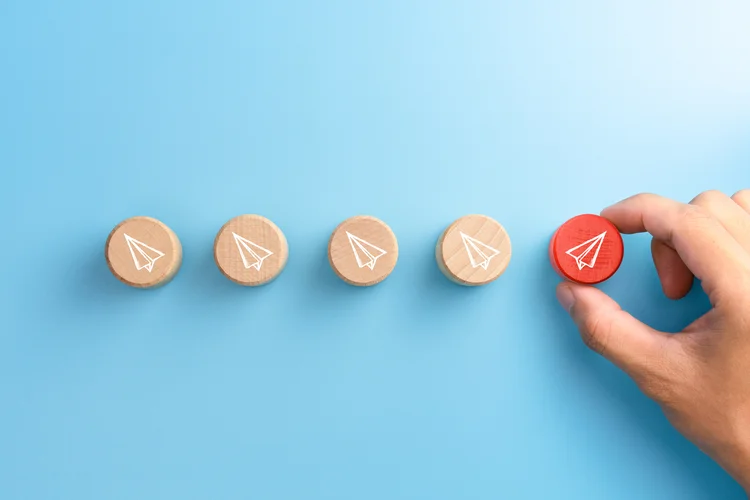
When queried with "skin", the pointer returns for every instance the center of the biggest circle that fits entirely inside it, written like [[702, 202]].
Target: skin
[[700, 376]]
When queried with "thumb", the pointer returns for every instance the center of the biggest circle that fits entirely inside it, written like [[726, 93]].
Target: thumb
[[610, 331]]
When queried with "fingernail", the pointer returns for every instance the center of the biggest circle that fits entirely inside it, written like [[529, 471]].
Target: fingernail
[[565, 297]]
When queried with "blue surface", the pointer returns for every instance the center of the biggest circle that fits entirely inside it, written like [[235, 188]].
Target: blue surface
[[308, 113]]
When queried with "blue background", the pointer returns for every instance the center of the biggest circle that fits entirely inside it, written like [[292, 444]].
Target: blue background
[[308, 113]]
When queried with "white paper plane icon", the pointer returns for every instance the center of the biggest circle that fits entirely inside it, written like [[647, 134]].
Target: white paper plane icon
[[586, 253], [252, 254], [480, 254], [369, 252], [144, 256]]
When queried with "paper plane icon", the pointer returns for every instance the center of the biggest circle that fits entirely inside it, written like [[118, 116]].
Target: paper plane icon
[[366, 253], [480, 254], [586, 253], [144, 256], [252, 254]]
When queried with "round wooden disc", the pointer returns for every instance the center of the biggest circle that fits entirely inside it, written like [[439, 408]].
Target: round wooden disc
[[363, 250], [250, 250], [587, 249], [474, 250], [143, 252]]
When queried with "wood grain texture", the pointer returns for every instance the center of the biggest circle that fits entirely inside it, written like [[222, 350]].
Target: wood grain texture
[[143, 252], [363, 250], [250, 250], [474, 250], [586, 249]]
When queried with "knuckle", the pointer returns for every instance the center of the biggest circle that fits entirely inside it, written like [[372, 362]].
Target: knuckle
[[742, 197], [665, 390], [645, 198], [695, 214], [666, 378], [595, 333], [655, 388], [709, 198]]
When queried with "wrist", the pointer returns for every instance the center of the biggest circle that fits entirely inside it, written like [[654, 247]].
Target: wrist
[[735, 456], [730, 448]]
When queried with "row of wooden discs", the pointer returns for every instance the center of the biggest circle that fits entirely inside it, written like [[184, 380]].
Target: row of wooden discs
[[251, 250]]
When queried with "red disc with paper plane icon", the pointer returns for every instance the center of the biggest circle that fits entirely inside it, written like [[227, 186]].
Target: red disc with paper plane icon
[[587, 249]]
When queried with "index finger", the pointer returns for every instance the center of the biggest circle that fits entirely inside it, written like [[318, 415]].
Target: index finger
[[703, 244]]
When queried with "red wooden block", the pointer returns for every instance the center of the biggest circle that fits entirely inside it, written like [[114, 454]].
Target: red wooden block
[[587, 249]]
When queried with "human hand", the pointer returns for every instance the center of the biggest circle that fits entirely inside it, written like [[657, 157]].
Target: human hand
[[701, 376]]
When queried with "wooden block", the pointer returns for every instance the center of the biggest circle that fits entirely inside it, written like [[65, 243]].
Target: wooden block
[[587, 249], [474, 250], [363, 250], [250, 250], [143, 252]]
